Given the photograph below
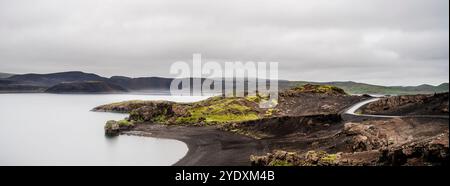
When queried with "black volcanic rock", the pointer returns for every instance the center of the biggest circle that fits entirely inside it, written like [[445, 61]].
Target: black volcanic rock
[[86, 87], [435, 104]]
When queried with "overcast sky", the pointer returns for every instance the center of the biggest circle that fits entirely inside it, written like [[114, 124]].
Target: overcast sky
[[388, 42]]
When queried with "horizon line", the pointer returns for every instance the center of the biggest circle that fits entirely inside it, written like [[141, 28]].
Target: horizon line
[[307, 81]]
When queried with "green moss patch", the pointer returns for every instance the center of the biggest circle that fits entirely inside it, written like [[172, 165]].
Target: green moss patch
[[212, 111], [222, 110], [319, 89], [280, 163], [125, 123]]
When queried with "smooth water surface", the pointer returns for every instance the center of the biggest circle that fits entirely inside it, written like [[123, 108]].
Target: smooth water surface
[[51, 129]]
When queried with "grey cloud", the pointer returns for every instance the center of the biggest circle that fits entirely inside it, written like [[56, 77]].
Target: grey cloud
[[376, 41]]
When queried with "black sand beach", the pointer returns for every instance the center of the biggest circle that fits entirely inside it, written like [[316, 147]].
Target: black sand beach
[[208, 146]]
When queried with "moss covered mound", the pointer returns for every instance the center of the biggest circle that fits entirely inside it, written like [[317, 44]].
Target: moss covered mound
[[318, 89], [153, 111], [113, 128], [221, 110], [215, 110]]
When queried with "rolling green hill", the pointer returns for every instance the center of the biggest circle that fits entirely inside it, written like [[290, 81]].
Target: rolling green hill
[[362, 88]]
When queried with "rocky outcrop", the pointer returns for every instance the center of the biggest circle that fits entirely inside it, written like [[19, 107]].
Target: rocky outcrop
[[157, 111], [428, 151], [114, 128], [436, 104], [394, 142], [314, 158], [364, 137], [283, 158], [276, 158], [395, 101]]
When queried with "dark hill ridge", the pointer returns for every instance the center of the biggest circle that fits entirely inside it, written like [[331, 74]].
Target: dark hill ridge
[[9, 86], [29, 82], [5, 75], [55, 78], [143, 83], [86, 87]]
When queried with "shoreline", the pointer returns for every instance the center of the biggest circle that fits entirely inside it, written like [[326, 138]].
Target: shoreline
[[207, 146]]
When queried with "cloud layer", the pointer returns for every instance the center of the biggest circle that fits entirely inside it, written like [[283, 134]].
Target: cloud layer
[[402, 42]]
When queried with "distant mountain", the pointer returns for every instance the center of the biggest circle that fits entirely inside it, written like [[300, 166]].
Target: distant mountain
[[41, 82], [8, 86], [143, 83], [362, 88], [86, 87], [55, 78], [5, 75], [443, 87]]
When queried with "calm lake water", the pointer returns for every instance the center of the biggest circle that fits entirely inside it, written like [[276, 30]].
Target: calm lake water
[[50, 129]]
